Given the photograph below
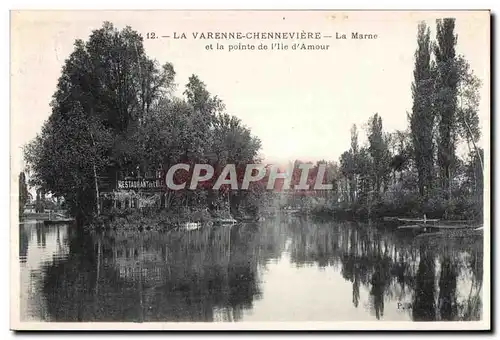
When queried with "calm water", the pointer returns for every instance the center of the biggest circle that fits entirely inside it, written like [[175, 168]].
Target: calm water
[[281, 270]]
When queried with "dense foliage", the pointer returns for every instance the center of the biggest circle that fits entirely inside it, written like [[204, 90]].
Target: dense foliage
[[417, 171], [114, 111]]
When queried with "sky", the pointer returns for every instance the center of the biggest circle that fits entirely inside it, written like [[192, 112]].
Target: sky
[[301, 104]]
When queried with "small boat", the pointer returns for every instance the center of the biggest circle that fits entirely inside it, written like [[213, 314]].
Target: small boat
[[224, 221], [418, 220], [415, 227], [192, 226], [410, 226], [403, 220], [390, 219]]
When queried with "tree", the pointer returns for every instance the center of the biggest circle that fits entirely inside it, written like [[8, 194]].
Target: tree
[[106, 88], [475, 178], [195, 130], [379, 152], [367, 176], [422, 115], [467, 119], [445, 103], [234, 144], [23, 192], [347, 170], [445, 107], [65, 158], [401, 152], [349, 165], [201, 100]]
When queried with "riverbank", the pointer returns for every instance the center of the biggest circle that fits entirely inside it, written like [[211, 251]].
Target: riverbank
[[159, 220], [457, 208]]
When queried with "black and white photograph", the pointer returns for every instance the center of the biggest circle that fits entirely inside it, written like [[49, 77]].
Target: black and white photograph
[[250, 170]]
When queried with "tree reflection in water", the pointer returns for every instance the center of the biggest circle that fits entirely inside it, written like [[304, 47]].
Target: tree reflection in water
[[447, 289], [396, 267], [177, 276], [425, 288], [215, 274]]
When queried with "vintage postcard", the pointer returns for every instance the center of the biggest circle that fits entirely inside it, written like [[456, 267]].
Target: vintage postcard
[[272, 170]]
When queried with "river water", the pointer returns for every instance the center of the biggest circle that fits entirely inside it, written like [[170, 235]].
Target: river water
[[287, 269]]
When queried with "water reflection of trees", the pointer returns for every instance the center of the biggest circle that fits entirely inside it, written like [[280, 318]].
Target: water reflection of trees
[[213, 274], [152, 276], [24, 239], [424, 308], [39, 246], [397, 268]]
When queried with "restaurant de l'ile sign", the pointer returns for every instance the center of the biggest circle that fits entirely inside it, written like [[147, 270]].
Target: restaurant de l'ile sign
[[134, 190]]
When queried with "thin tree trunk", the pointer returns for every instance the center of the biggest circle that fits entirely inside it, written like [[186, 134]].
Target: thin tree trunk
[[98, 203], [475, 146], [473, 170]]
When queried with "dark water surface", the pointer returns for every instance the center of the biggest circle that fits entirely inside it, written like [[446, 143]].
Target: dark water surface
[[281, 270]]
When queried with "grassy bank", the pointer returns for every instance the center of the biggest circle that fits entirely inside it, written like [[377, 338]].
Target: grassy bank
[[456, 208]]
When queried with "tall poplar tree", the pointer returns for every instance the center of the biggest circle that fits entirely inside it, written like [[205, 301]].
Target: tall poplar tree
[[445, 103], [422, 116], [23, 192], [379, 151]]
